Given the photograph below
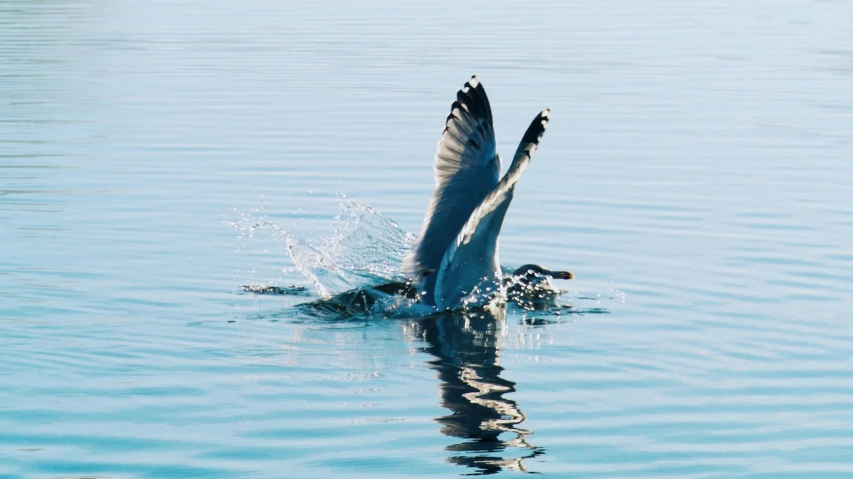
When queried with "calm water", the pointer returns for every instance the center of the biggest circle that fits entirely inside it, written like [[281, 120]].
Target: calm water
[[695, 177]]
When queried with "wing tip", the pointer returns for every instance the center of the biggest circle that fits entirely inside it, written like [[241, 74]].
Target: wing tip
[[537, 127], [473, 96], [474, 82]]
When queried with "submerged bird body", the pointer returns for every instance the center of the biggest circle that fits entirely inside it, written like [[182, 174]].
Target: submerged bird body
[[454, 262], [530, 286]]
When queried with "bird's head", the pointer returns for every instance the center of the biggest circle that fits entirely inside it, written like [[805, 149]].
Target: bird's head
[[533, 272]]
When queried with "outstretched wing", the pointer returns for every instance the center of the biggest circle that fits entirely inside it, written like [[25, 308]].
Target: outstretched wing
[[473, 255], [466, 170]]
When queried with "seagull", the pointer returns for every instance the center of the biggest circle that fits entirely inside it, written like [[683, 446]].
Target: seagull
[[454, 262]]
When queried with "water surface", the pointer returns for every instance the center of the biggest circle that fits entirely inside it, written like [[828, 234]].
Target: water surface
[[695, 177]]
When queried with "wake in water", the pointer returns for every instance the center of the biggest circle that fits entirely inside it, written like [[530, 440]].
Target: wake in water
[[356, 270]]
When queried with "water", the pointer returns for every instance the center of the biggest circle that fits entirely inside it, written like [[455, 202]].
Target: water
[[695, 178]]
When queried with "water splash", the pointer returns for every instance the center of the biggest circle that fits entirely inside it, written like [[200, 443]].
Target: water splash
[[366, 248]]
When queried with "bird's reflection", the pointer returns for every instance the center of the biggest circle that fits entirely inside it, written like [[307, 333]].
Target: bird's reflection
[[467, 348]]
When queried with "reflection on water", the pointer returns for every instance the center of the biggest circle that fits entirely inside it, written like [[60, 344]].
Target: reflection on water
[[467, 350]]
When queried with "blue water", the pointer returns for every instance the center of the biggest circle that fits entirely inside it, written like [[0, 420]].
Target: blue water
[[695, 178]]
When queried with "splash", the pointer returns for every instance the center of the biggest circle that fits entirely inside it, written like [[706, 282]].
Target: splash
[[366, 248]]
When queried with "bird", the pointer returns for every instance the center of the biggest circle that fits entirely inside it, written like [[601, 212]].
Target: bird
[[454, 261], [530, 286]]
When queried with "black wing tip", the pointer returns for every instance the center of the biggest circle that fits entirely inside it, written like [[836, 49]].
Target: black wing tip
[[473, 96], [474, 83], [545, 116], [537, 127], [530, 141], [474, 89]]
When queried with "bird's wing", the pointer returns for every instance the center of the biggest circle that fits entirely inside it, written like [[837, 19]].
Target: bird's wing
[[473, 254], [466, 170]]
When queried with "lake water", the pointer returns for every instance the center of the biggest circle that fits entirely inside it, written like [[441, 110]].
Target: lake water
[[155, 156]]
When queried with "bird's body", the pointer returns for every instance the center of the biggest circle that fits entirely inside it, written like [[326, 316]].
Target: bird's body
[[454, 262], [528, 286]]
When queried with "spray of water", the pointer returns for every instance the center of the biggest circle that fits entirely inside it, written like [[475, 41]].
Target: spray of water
[[366, 248]]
